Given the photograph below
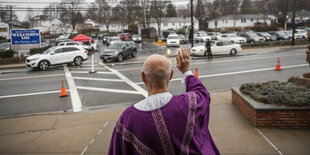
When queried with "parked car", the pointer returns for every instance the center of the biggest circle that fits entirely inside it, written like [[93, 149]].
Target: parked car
[[168, 32], [112, 39], [267, 36], [183, 39], [57, 55], [125, 36], [87, 47], [252, 37], [105, 39], [279, 35], [136, 38], [232, 38], [118, 51], [218, 47], [173, 40], [302, 32], [62, 40], [5, 46], [44, 45], [214, 35], [204, 37]]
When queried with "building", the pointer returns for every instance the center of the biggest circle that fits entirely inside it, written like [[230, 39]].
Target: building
[[5, 29], [92, 22], [115, 26], [174, 23], [241, 21], [302, 16]]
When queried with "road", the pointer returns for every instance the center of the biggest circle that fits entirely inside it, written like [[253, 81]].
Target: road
[[26, 92]]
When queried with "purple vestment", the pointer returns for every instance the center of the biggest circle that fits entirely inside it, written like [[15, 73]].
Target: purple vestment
[[179, 127]]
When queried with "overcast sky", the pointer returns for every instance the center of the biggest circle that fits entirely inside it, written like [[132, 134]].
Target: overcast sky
[[43, 3]]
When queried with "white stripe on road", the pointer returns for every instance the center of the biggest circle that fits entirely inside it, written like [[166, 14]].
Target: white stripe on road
[[222, 61], [98, 79], [86, 68], [30, 94], [269, 141], [31, 77], [75, 98], [94, 138], [85, 72], [108, 90], [239, 72], [132, 84]]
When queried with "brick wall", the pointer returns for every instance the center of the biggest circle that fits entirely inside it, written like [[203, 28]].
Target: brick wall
[[278, 118]]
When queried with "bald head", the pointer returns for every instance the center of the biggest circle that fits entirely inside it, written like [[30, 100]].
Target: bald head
[[157, 68]]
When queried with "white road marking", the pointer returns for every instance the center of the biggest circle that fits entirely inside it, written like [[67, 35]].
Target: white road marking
[[239, 72], [223, 61], [269, 141], [132, 84], [86, 72], [31, 77], [98, 79], [75, 98], [85, 68], [94, 138], [108, 90], [30, 94]]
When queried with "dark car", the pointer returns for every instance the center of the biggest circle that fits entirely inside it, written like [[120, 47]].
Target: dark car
[[136, 38], [279, 35], [5, 46], [167, 33], [267, 36], [118, 51], [183, 39]]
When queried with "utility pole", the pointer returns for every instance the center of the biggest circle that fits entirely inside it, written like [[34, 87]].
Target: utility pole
[[11, 25], [192, 25], [293, 36]]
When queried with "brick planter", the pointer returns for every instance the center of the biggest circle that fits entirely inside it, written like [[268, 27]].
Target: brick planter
[[267, 115]]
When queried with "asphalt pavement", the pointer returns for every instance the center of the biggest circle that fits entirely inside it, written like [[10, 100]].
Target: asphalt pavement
[[27, 91]]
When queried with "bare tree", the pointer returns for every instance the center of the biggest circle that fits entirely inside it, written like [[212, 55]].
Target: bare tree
[[73, 7], [157, 12], [171, 11], [29, 16], [51, 11], [104, 13], [281, 9], [5, 14]]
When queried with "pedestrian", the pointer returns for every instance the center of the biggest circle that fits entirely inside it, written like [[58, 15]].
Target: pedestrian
[[93, 45], [164, 123], [208, 46]]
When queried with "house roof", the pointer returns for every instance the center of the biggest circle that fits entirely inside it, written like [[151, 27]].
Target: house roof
[[174, 19]]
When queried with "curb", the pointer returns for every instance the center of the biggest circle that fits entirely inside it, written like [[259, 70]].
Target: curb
[[13, 66]]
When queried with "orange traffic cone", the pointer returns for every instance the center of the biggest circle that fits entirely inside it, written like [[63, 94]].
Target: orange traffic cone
[[278, 66], [196, 73], [63, 91]]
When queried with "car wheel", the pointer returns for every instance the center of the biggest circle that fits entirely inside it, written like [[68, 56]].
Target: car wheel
[[44, 65], [120, 58], [78, 61], [134, 53], [233, 52]]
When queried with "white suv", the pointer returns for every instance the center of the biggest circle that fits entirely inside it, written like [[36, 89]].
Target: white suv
[[74, 44], [57, 55]]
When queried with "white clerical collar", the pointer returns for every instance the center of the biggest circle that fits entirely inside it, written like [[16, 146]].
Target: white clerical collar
[[152, 102]]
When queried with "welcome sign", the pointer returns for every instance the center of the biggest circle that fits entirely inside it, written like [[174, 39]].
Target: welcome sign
[[25, 36]]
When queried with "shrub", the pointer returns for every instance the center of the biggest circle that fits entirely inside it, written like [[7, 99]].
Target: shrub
[[7, 54], [36, 50]]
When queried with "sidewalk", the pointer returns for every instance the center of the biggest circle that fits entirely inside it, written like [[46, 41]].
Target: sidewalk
[[89, 132]]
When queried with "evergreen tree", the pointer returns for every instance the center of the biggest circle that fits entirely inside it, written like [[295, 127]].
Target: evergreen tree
[[171, 12]]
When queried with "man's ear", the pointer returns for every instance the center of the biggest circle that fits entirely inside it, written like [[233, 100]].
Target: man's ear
[[143, 77], [171, 74]]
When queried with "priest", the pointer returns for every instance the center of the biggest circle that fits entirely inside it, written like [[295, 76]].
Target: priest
[[164, 123]]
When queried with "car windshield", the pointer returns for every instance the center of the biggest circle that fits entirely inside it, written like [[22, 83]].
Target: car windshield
[[136, 36], [4, 45], [281, 33], [181, 36], [173, 37], [265, 34], [233, 36], [252, 34], [116, 38], [116, 46], [210, 34], [49, 50]]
